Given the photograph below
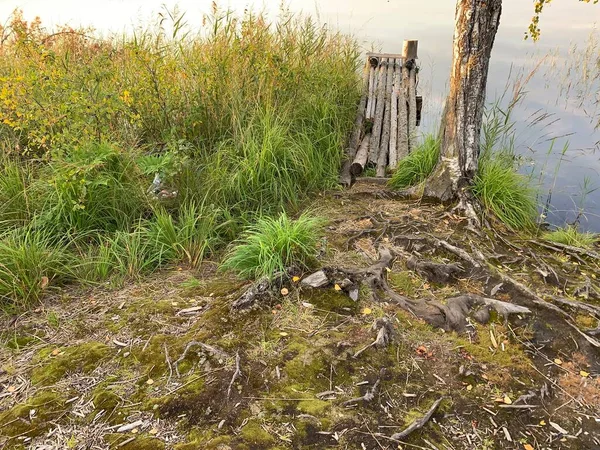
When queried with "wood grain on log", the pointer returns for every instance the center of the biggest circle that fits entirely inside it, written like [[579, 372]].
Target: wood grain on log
[[393, 155], [384, 146], [412, 104], [402, 113], [360, 160], [379, 109]]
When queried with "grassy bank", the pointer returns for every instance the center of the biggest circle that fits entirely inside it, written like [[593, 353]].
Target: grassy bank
[[242, 119]]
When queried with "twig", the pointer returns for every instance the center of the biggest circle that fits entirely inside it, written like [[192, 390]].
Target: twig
[[168, 362], [369, 395], [236, 374], [384, 335], [417, 424]]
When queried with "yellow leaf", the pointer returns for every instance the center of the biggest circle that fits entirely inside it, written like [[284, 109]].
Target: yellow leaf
[[284, 291], [594, 276], [557, 361], [149, 381], [470, 387], [55, 352], [388, 269], [584, 374], [366, 311], [528, 447], [295, 279], [11, 389], [426, 286], [507, 400], [153, 431], [337, 287], [542, 422], [283, 333]]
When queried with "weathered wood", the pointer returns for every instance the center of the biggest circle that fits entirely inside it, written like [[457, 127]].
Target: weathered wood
[[345, 177], [412, 104], [383, 55], [379, 109], [409, 49], [402, 113], [384, 146], [373, 62], [393, 155], [362, 155], [475, 30]]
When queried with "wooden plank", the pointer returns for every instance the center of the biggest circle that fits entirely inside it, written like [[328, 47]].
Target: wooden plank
[[384, 146], [378, 119], [402, 115], [412, 105], [371, 94], [345, 177], [384, 55], [393, 156]]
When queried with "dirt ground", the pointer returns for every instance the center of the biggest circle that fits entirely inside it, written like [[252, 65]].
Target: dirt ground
[[164, 363]]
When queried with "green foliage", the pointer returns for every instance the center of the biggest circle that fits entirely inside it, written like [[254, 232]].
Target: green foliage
[[189, 237], [94, 187], [570, 235], [15, 178], [273, 245], [418, 165], [29, 263], [505, 192]]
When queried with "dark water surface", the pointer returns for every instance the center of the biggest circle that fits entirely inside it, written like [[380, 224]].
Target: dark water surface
[[383, 24]]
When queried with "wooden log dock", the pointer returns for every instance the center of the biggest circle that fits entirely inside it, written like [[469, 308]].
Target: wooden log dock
[[388, 113]]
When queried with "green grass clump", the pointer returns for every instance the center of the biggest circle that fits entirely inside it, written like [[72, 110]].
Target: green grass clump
[[15, 179], [505, 192], [418, 165], [29, 263], [273, 245], [570, 235]]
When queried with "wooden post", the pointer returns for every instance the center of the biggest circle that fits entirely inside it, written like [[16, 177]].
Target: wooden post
[[384, 146], [393, 158], [402, 113], [360, 160], [345, 177], [378, 121], [409, 52], [373, 62]]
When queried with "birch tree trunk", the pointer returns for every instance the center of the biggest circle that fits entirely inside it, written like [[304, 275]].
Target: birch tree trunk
[[475, 29]]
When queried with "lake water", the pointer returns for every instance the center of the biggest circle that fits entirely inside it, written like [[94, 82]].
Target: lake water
[[384, 24]]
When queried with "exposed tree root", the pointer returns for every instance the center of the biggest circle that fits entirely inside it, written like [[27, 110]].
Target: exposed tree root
[[385, 334], [236, 374], [252, 294], [435, 272], [369, 395], [419, 423]]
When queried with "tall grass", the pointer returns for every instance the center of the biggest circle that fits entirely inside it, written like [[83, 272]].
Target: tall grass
[[273, 245], [418, 165], [240, 120], [570, 235]]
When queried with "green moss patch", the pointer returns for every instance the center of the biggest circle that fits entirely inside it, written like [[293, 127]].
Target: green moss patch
[[254, 435], [34, 417], [82, 358]]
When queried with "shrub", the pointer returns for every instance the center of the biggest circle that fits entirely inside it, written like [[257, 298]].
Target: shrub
[[572, 236], [94, 187], [505, 192], [30, 263], [273, 245], [418, 165]]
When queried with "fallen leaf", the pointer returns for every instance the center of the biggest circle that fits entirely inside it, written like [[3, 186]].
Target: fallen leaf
[[470, 387], [528, 447], [149, 381], [44, 282], [557, 361], [283, 333], [295, 279], [55, 352], [388, 269], [153, 431], [542, 422], [426, 286], [284, 292], [11, 389], [507, 400], [366, 311], [493, 339], [337, 287], [584, 374], [308, 305]]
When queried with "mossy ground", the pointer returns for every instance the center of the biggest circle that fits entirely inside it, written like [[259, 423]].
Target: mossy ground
[[112, 360]]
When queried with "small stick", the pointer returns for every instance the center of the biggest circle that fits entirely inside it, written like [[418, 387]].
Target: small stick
[[418, 424], [236, 374], [370, 395], [168, 362]]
